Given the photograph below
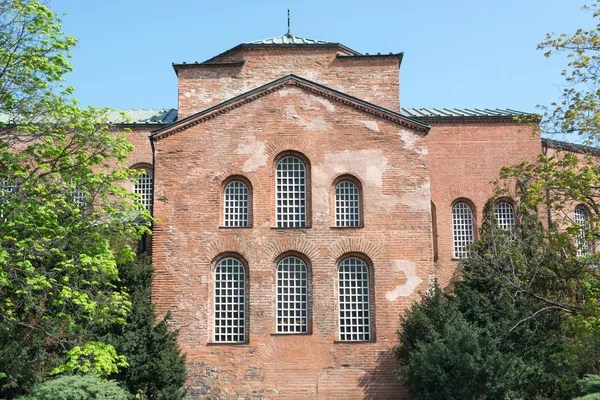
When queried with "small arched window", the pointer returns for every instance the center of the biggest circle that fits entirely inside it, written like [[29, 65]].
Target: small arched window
[[353, 300], [230, 302], [505, 215], [236, 204], [462, 229], [347, 204], [292, 296], [291, 193], [581, 218], [143, 186]]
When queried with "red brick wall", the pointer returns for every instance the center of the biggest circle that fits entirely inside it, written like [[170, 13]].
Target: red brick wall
[[337, 139], [371, 79], [463, 159]]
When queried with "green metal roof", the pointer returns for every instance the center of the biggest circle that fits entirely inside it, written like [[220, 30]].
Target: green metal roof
[[462, 113], [142, 117], [289, 39], [169, 115]]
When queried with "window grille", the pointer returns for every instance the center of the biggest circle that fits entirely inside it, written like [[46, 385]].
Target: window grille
[[7, 188], [462, 229], [79, 198], [355, 318], [143, 187], [230, 302], [347, 204], [505, 215], [292, 288], [581, 219], [291, 193], [236, 204]]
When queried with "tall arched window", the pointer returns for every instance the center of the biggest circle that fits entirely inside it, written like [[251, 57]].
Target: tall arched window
[[462, 229], [236, 203], [347, 204], [292, 296], [353, 298], [230, 301], [144, 187], [505, 215], [581, 219], [291, 193]]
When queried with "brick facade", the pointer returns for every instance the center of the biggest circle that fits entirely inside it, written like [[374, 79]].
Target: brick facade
[[338, 113]]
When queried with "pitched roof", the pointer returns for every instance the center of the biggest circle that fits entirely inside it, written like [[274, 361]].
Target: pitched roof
[[432, 114], [572, 147], [294, 80], [142, 116], [287, 40]]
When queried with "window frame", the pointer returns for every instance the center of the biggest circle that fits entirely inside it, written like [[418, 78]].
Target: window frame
[[250, 206], [244, 265], [148, 171], [584, 247], [308, 302], [370, 297], [307, 189], [333, 203], [511, 204], [472, 209]]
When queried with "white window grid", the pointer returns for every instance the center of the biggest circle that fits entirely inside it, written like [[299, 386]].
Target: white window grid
[[79, 198], [236, 204], [143, 187], [505, 215], [7, 188], [347, 204], [355, 318], [462, 229], [292, 294], [291, 193], [230, 302], [581, 219]]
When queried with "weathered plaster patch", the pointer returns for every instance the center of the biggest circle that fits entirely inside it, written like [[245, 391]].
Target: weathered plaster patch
[[409, 138], [420, 199], [258, 156], [317, 124], [285, 92], [372, 125], [412, 280]]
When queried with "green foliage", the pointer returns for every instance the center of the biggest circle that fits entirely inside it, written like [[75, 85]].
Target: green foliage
[[86, 387], [156, 367], [498, 333], [96, 357], [65, 220]]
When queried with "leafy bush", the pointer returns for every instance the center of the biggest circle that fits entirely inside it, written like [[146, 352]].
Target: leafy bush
[[75, 387]]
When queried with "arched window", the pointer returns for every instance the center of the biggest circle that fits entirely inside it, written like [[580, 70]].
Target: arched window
[[292, 296], [462, 229], [347, 204], [236, 202], [7, 188], [291, 193], [353, 297], [143, 186], [230, 301], [581, 219], [505, 215]]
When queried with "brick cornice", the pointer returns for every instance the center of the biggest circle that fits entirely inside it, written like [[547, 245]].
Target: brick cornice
[[289, 80]]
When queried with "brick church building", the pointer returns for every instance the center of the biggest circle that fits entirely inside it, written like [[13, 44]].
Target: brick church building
[[300, 210]]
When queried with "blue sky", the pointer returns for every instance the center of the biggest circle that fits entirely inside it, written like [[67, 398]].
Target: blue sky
[[463, 53]]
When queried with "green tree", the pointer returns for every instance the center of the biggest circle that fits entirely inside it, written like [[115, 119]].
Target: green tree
[[497, 333], [65, 221], [75, 387], [156, 366]]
